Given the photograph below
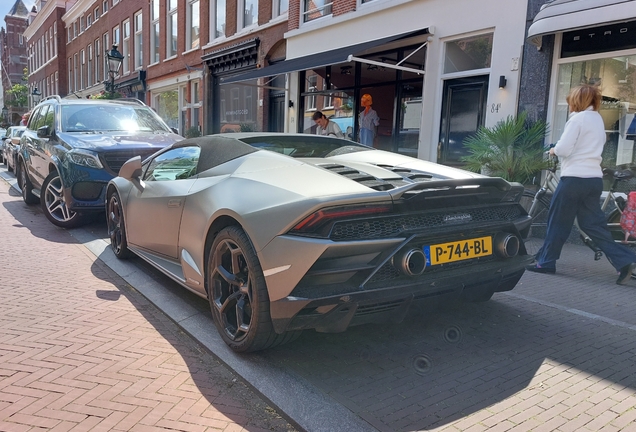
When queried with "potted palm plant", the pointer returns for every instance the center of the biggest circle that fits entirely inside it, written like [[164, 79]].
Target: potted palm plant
[[512, 149]]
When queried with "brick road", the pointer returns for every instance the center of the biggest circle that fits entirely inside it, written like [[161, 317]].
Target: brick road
[[82, 350]]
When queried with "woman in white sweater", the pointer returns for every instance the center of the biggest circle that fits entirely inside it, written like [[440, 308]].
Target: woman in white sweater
[[578, 194]]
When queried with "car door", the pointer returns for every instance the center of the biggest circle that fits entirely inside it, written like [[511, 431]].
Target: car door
[[153, 212], [35, 153]]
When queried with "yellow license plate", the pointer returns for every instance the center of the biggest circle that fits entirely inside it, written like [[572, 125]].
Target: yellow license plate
[[458, 250]]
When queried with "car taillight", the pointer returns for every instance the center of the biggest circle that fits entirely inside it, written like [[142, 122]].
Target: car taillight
[[318, 221]]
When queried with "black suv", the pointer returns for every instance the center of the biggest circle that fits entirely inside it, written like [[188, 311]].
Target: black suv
[[71, 148]]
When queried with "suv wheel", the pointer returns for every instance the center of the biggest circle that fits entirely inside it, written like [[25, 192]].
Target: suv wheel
[[26, 186], [54, 205]]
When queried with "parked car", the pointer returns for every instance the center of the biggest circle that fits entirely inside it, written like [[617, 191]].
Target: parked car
[[10, 146], [3, 137], [71, 148], [285, 232]]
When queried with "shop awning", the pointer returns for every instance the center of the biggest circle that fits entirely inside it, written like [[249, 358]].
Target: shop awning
[[566, 15], [339, 55]]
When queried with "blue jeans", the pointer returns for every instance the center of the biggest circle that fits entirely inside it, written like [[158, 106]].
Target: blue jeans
[[580, 198]]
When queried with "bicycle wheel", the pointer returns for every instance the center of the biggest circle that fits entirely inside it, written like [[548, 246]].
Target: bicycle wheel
[[534, 239]]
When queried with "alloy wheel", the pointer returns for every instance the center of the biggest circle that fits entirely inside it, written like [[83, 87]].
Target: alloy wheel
[[54, 200], [232, 289]]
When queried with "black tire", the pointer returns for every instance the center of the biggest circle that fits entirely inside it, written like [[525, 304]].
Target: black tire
[[54, 205], [533, 239], [26, 186], [238, 294], [116, 226]]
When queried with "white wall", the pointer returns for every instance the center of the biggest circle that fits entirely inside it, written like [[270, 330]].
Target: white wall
[[450, 19]]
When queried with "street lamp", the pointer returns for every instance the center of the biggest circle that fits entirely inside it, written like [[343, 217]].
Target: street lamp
[[114, 59], [36, 95]]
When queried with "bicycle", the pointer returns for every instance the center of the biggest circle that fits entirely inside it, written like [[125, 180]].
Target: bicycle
[[537, 205]]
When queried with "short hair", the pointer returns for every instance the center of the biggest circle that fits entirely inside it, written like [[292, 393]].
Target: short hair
[[584, 96], [317, 115], [368, 96]]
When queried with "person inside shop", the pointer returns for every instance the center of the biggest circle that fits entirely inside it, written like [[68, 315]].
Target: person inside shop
[[368, 120], [325, 126], [578, 194]]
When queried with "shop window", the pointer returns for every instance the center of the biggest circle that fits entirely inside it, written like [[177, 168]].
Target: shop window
[[193, 23], [167, 105], [239, 113], [217, 19], [310, 101], [313, 9], [615, 76], [470, 53]]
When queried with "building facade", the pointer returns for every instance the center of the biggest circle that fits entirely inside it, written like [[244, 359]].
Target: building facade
[[434, 76], [592, 42], [46, 50], [436, 71]]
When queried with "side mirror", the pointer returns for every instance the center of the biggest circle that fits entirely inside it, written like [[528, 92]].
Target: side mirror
[[131, 169], [44, 132], [175, 130]]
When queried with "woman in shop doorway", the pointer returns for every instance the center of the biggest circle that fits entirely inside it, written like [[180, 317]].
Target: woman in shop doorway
[[368, 120], [578, 194]]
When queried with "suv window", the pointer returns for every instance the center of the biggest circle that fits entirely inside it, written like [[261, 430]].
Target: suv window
[[49, 119], [110, 118], [34, 118], [40, 120]]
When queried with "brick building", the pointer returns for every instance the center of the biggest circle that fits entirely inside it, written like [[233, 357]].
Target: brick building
[[173, 51], [13, 57], [46, 50]]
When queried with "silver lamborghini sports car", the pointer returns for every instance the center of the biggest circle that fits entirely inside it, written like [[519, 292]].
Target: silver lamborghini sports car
[[285, 232]]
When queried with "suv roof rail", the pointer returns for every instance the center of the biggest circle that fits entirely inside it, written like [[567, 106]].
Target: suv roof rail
[[56, 97], [131, 99]]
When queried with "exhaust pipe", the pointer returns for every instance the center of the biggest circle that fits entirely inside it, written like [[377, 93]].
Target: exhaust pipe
[[410, 262], [506, 245]]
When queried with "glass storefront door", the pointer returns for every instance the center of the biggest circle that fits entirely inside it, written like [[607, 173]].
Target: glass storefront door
[[616, 77]]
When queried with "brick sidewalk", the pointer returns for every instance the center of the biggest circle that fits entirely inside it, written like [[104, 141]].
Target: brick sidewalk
[[82, 350]]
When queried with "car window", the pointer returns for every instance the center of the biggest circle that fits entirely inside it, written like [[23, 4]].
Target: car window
[[49, 118], [40, 121], [33, 119], [309, 146], [111, 118], [175, 164]]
